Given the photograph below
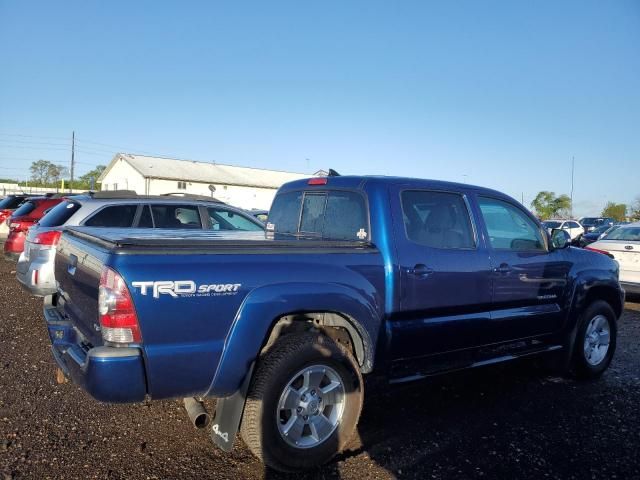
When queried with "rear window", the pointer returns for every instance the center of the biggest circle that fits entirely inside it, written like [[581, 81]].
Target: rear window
[[329, 215], [10, 202], [59, 214], [25, 209], [113, 216]]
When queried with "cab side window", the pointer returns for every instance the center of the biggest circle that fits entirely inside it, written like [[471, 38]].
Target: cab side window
[[437, 219], [509, 227]]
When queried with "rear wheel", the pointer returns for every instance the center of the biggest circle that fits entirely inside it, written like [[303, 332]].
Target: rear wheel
[[303, 403], [595, 341]]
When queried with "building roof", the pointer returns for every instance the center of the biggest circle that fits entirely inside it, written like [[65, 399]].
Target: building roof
[[201, 172]]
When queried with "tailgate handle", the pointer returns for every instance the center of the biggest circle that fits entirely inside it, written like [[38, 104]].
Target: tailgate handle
[[73, 263]]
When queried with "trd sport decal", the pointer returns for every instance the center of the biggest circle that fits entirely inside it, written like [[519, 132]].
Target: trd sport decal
[[186, 288]]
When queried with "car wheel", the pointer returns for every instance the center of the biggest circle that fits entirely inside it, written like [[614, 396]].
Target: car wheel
[[303, 404], [595, 341]]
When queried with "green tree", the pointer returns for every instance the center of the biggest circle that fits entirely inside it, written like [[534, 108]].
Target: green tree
[[548, 205], [92, 176], [634, 210], [41, 171], [617, 211]]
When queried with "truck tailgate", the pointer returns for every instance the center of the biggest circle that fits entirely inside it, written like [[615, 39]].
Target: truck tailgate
[[78, 267]]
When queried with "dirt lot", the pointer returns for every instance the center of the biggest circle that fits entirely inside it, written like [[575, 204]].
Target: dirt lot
[[509, 422]]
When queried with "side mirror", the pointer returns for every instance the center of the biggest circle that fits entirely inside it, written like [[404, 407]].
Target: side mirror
[[560, 239]]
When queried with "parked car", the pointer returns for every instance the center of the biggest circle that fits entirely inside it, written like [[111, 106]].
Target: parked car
[[573, 228], [22, 219], [597, 234], [623, 244], [7, 206], [261, 215], [356, 275], [591, 223], [121, 209]]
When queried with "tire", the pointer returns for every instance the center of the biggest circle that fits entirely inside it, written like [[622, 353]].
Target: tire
[[588, 360], [266, 419]]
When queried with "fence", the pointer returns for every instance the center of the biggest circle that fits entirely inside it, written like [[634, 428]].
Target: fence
[[9, 188]]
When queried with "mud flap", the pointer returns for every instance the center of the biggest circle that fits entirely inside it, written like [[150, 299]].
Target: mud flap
[[228, 415]]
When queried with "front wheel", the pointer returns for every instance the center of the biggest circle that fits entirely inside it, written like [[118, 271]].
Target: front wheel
[[595, 340], [303, 403]]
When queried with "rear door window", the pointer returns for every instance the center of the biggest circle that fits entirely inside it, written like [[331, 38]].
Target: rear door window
[[437, 219], [59, 214], [223, 219], [176, 216], [113, 216]]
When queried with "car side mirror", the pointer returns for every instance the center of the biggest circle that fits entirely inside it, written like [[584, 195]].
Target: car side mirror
[[560, 239]]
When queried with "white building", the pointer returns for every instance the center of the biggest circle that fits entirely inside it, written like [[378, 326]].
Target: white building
[[239, 186]]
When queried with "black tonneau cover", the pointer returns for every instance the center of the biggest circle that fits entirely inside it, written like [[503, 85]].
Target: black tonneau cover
[[154, 241]]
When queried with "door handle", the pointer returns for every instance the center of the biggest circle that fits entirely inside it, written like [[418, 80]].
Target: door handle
[[503, 268], [420, 270]]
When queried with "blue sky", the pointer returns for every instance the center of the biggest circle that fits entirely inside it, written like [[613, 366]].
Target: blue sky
[[500, 94]]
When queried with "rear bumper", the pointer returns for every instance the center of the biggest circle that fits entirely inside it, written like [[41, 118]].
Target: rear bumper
[[108, 374], [36, 275], [633, 288], [11, 256]]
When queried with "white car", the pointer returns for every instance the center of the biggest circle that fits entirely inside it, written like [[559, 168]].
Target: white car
[[624, 244], [573, 228]]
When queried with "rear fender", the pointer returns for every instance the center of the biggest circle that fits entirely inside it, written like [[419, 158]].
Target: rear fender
[[261, 309]]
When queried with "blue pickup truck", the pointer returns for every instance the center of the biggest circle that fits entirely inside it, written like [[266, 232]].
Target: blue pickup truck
[[400, 277]]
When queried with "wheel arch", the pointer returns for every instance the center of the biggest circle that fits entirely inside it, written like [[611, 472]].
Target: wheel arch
[[266, 312]]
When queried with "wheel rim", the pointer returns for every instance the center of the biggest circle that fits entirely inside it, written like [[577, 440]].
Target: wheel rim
[[310, 406], [596, 341]]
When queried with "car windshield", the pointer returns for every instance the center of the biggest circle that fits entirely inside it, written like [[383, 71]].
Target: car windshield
[[601, 229], [552, 224], [589, 221], [629, 234]]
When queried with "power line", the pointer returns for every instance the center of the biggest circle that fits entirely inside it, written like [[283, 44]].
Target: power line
[[28, 142], [35, 148], [30, 136]]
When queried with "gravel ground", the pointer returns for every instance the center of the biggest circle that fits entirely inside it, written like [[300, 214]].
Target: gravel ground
[[505, 422]]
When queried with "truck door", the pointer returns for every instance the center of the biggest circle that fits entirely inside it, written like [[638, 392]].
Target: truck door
[[445, 278], [528, 279]]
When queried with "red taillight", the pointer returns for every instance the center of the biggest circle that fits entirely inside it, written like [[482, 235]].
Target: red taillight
[[20, 226], [317, 181], [603, 252], [118, 319], [48, 238]]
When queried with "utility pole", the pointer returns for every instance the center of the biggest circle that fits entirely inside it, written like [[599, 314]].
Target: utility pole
[[73, 148], [573, 161]]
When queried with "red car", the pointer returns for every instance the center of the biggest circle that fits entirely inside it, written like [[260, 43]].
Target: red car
[[24, 218]]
